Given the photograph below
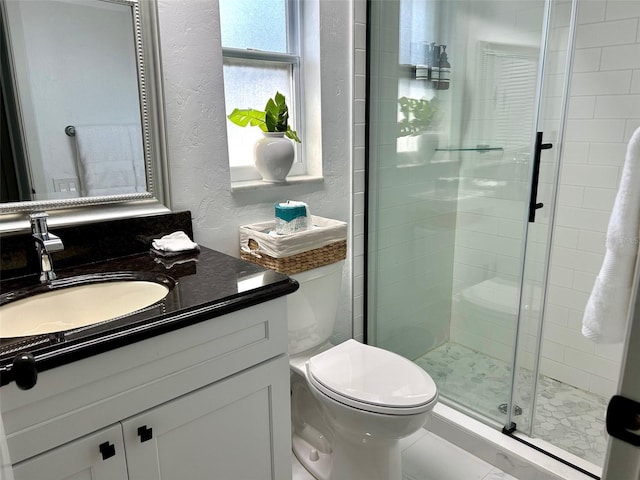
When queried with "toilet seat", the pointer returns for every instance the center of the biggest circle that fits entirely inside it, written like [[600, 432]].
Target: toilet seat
[[372, 379]]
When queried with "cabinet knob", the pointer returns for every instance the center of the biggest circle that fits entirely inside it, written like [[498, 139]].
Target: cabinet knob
[[145, 433], [107, 450], [24, 371]]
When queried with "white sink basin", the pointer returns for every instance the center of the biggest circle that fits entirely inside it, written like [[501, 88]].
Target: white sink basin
[[77, 306]]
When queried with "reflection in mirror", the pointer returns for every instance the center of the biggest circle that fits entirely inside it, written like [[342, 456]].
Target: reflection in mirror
[[75, 113]]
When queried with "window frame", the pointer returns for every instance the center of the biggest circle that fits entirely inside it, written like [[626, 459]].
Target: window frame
[[293, 60]]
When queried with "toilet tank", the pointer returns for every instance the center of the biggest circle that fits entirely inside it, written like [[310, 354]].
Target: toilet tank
[[311, 310]]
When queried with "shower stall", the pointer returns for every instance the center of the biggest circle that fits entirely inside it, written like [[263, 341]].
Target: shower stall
[[496, 139]]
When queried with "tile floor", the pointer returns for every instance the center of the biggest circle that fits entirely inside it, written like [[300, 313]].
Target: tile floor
[[426, 456], [567, 417]]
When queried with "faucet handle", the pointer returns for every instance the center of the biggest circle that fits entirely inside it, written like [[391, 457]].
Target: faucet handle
[[38, 216], [38, 222], [39, 225], [42, 236], [52, 243]]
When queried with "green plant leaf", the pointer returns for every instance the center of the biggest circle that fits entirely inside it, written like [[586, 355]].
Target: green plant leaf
[[418, 115], [292, 135], [272, 114], [271, 121], [275, 117], [248, 116], [280, 101], [277, 108], [271, 107]]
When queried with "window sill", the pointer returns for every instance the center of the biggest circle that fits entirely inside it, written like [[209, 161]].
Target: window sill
[[261, 184]]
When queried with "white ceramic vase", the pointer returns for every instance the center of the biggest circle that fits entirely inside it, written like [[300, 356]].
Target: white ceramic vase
[[417, 149], [427, 145], [274, 155]]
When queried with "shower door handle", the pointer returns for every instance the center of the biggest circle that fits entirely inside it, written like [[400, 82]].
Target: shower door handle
[[533, 200]]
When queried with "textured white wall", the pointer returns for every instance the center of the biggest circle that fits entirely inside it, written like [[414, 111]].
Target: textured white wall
[[196, 131]]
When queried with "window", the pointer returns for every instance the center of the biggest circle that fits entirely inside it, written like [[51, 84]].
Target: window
[[261, 50]]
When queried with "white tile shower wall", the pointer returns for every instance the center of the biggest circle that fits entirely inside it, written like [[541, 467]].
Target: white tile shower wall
[[607, 35]]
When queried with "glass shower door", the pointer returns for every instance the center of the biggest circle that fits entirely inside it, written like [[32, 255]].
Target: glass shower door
[[449, 200], [552, 110]]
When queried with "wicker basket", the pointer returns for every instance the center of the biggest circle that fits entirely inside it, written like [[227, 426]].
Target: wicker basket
[[301, 262], [298, 252]]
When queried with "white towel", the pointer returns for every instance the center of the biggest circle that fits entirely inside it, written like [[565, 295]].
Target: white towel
[[607, 310], [110, 159], [176, 242]]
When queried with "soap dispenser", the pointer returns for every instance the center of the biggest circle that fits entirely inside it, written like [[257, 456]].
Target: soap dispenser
[[435, 63], [444, 77]]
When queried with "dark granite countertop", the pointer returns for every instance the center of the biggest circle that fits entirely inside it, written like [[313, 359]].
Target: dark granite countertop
[[207, 284]]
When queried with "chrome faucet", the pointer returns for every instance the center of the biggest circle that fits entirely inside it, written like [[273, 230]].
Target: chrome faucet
[[45, 244]]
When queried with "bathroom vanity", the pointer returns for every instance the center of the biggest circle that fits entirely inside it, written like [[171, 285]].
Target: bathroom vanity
[[193, 387]]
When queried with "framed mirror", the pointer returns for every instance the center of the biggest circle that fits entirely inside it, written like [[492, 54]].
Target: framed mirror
[[83, 119]]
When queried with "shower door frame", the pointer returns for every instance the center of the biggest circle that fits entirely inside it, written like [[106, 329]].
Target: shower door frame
[[510, 426]]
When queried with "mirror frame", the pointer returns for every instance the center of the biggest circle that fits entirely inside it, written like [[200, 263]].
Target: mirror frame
[[14, 215]]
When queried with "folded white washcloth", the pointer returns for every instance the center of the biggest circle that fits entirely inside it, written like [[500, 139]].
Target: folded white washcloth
[[174, 243]]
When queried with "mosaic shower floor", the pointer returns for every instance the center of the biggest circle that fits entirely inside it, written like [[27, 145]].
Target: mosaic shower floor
[[567, 417]]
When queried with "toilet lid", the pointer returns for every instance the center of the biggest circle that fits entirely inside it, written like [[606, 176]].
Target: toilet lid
[[372, 379]]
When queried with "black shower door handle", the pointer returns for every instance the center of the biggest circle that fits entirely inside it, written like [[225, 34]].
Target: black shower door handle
[[533, 200]]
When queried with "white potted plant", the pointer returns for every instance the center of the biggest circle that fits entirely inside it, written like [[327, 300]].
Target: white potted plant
[[274, 153], [417, 134]]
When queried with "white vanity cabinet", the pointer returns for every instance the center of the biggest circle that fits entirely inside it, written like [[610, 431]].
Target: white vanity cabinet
[[80, 459], [206, 401], [223, 431]]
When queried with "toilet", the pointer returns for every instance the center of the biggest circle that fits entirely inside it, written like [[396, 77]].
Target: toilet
[[350, 403]]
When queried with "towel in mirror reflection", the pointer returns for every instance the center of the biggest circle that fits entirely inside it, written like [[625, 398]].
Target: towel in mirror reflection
[[110, 159]]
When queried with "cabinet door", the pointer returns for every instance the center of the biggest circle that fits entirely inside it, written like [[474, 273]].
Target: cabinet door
[[236, 429], [99, 456]]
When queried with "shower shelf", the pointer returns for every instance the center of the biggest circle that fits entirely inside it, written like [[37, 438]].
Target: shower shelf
[[471, 149]]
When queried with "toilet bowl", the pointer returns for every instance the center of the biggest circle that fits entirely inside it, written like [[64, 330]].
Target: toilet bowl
[[350, 403]]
